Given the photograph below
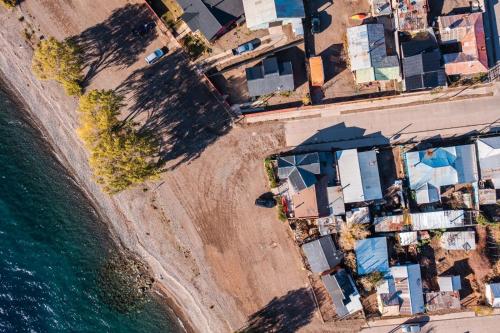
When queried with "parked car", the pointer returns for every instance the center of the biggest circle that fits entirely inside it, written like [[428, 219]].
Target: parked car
[[144, 29], [155, 56], [315, 24], [265, 202], [410, 328], [247, 47]]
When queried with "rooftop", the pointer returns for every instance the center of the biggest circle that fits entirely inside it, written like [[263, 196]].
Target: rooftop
[[371, 255], [210, 16], [312, 202], [259, 13], [408, 282], [430, 169], [441, 219], [359, 175], [269, 76], [299, 170], [449, 283], [488, 150], [322, 254], [424, 71], [458, 240], [468, 30], [343, 291]]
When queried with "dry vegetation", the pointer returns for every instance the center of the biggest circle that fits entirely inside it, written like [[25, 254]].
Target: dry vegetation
[[350, 233]]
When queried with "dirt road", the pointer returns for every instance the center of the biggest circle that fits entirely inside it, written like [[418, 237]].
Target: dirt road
[[220, 258]]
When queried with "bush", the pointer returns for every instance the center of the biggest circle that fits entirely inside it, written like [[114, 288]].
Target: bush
[[483, 220], [59, 61], [350, 233], [169, 19], [273, 182], [370, 281], [119, 156], [350, 261], [9, 3], [194, 45], [281, 211]]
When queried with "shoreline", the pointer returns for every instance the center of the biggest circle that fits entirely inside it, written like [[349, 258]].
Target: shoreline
[[158, 291]]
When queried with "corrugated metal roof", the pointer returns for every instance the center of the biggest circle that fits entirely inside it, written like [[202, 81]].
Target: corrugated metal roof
[[321, 254], [366, 45], [449, 283], [458, 240], [269, 76], [437, 220], [335, 200], [259, 13], [359, 175], [430, 169], [413, 292], [489, 159], [371, 255], [300, 170], [408, 238], [343, 291]]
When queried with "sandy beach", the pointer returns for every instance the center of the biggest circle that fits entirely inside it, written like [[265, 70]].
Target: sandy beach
[[217, 258]]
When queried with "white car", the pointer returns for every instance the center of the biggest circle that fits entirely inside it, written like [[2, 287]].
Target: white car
[[410, 328], [155, 56]]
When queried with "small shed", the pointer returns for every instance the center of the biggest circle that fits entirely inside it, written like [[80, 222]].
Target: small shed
[[459, 240], [449, 283], [317, 72], [343, 291], [371, 255], [322, 254], [492, 291]]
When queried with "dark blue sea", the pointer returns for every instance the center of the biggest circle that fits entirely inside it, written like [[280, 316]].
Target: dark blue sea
[[52, 244]]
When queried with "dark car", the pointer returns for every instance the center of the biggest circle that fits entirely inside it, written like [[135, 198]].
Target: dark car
[[315, 24], [247, 47], [144, 28], [265, 202]]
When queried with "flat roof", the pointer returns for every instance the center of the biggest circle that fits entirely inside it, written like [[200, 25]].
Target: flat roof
[[371, 255]]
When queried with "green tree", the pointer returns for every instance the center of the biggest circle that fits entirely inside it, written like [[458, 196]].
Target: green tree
[[119, 156], [9, 3], [59, 61]]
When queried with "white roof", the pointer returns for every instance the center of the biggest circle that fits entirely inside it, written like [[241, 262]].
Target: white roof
[[408, 238], [359, 175], [449, 283], [259, 13], [442, 219], [458, 240], [488, 150]]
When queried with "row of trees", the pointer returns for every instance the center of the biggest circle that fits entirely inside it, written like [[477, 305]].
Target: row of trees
[[119, 155]]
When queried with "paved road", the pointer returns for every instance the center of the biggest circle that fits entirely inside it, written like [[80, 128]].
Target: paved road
[[488, 324], [411, 123]]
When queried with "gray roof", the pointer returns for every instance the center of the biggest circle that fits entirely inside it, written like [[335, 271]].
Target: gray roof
[[449, 283], [270, 76], [322, 254], [343, 291], [488, 150], [424, 70], [335, 200], [209, 16], [458, 240], [366, 46], [300, 170], [413, 289]]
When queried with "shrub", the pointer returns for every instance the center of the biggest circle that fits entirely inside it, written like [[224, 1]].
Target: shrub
[[281, 211], [194, 45], [370, 281], [350, 233], [271, 176], [483, 220], [119, 155], [9, 3], [59, 61], [350, 261]]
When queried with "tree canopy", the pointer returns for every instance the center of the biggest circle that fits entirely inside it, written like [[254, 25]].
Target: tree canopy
[[59, 61], [119, 156]]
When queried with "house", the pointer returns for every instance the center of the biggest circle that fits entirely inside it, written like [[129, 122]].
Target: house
[[322, 254], [260, 14], [492, 291], [300, 171], [343, 291], [210, 17], [312, 202], [368, 54], [411, 14], [269, 77], [464, 35], [335, 200], [430, 169], [458, 240], [371, 255], [401, 293], [449, 283], [359, 175], [488, 151], [422, 64], [441, 219]]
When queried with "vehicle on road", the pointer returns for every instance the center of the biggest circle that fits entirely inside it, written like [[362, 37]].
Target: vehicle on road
[[144, 29], [265, 202], [155, 56], [247, 47], [410, 328], [315, 24]]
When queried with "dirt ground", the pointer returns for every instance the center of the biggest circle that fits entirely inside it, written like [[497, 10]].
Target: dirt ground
[[222, 259], [449, 7]]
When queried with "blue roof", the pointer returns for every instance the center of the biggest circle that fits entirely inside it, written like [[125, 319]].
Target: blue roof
[[371, 255], [289, 8]]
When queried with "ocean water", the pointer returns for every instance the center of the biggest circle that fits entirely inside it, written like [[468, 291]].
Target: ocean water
[[52, 244]]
